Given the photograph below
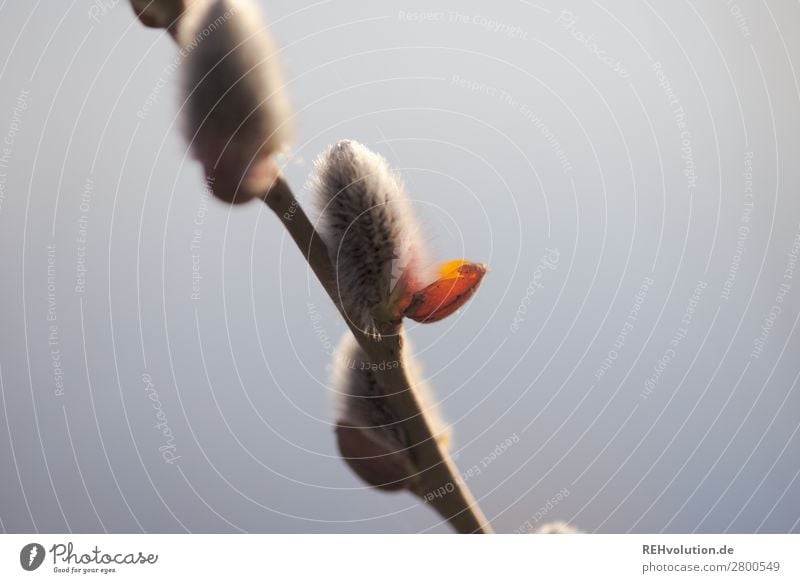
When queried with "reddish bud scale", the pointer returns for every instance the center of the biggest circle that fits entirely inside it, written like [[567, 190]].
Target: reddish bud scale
[[446, 295]]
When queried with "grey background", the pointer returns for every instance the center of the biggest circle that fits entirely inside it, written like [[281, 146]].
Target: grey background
[[241, 374]]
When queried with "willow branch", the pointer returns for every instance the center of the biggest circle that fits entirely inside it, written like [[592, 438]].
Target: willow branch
[[441, 483]]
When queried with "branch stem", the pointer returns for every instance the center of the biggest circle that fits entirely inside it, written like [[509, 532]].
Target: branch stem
[[441, 484]]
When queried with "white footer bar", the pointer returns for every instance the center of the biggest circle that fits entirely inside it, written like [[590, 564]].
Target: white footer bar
[[400, 558]]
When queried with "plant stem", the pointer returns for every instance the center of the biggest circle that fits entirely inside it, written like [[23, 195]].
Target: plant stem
[[440, 482]]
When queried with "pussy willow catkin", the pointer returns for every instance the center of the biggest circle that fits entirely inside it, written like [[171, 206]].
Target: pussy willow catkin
[[235, 114], [369, 433], [373, 237]]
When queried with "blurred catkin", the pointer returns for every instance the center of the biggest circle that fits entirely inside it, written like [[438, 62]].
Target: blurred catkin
[[370, 434], [236, 115], [557, 527], [159, 13]]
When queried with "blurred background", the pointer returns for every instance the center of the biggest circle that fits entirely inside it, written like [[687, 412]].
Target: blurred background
[[630, 364]]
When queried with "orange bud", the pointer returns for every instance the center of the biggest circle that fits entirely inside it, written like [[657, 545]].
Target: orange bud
[[459, 280]]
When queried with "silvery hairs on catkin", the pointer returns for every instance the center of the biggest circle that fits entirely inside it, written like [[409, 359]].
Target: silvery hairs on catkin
[[236, 113], [368, 224], [362, 403]]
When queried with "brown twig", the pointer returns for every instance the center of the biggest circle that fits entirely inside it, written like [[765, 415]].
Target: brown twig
[[440, 483]]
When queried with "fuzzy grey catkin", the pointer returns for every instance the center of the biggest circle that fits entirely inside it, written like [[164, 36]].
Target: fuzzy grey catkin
[[370, 434], [557, 527], [368, 224], [235, 113]]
